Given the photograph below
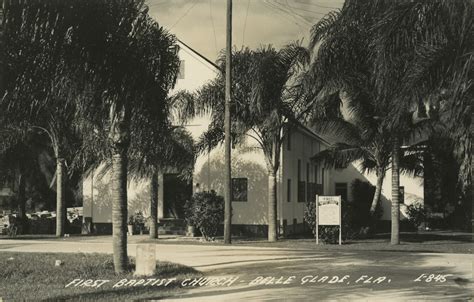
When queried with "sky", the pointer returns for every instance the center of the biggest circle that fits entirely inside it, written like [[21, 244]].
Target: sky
[[201, 23]]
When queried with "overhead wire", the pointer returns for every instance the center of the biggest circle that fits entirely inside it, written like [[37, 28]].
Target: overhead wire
[[184, 15], [284, 16], [213, 27], [245, 22]]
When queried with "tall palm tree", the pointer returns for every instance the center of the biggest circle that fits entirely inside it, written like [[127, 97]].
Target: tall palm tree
[[420, 49], [41, 81], [132, 63], [265, 100]]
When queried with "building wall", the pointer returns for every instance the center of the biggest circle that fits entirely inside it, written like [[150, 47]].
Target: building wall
[[196, 73], [245, 164], [302, 147], [413, 187]]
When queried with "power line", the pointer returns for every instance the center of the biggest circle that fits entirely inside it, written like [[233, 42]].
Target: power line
[[245, 23], [285, 16], [294, 14], [213, 28], [184, 15], [317, 5], [305, 10]]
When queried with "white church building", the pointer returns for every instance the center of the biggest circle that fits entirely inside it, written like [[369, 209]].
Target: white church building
[[298, 178]]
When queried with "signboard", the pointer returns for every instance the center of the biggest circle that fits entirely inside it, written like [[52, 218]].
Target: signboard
[[328, 212]]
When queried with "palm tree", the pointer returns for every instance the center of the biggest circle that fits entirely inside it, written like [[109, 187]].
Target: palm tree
[[420, 49], [41, 82], [358, 139], [132, 63], [377, 49], [265, 99]]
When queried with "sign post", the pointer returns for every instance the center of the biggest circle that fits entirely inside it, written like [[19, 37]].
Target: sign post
[[328, 212]]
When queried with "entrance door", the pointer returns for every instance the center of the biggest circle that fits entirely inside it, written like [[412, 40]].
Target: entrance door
[[175, 193]]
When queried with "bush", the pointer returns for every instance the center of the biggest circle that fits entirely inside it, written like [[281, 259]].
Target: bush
[[329, 233], [416, 214], [205, 211], [138, 222]]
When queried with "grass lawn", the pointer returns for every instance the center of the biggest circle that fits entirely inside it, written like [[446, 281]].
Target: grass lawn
[[34, 276]]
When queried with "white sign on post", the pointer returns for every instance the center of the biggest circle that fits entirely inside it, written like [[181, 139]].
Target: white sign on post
[[328, 212]]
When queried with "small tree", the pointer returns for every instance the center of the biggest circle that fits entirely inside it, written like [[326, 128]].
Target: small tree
[[205, 211]]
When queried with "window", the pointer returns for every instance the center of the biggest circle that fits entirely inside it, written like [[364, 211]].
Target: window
[[288, 139], [239, 189], [301, 191], [181, 70], [288, 190], [307, 172], [308, 184], [322, 181], [401, 193], [316, 174], [299, 169], [341, 189]]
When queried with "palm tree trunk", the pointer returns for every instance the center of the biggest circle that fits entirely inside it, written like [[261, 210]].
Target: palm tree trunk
[[154, 205], [119, 211], [395, 235], [378, 190], [272, 206], [60, 200]]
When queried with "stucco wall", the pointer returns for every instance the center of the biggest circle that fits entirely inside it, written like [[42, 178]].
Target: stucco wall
[[413, 187], [302, 147], [101, 208]]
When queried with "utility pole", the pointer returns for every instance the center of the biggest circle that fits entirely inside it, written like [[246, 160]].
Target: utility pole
[[228, 93]]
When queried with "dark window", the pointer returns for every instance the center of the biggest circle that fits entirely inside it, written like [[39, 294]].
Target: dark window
[[288, 139], [316, 174], [301, 191], [181, 70], [318, 189], [311, 191], [299, 169], [307, 172], [239, 189], [341, 189], [401, 193], [288, 190], [322, 181]]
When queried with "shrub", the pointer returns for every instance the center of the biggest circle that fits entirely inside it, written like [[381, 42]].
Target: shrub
[[329, 233], [416, 213], [205, 211], [138, 221]]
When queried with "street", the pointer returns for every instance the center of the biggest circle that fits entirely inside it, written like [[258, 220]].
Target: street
[[282, 274]]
